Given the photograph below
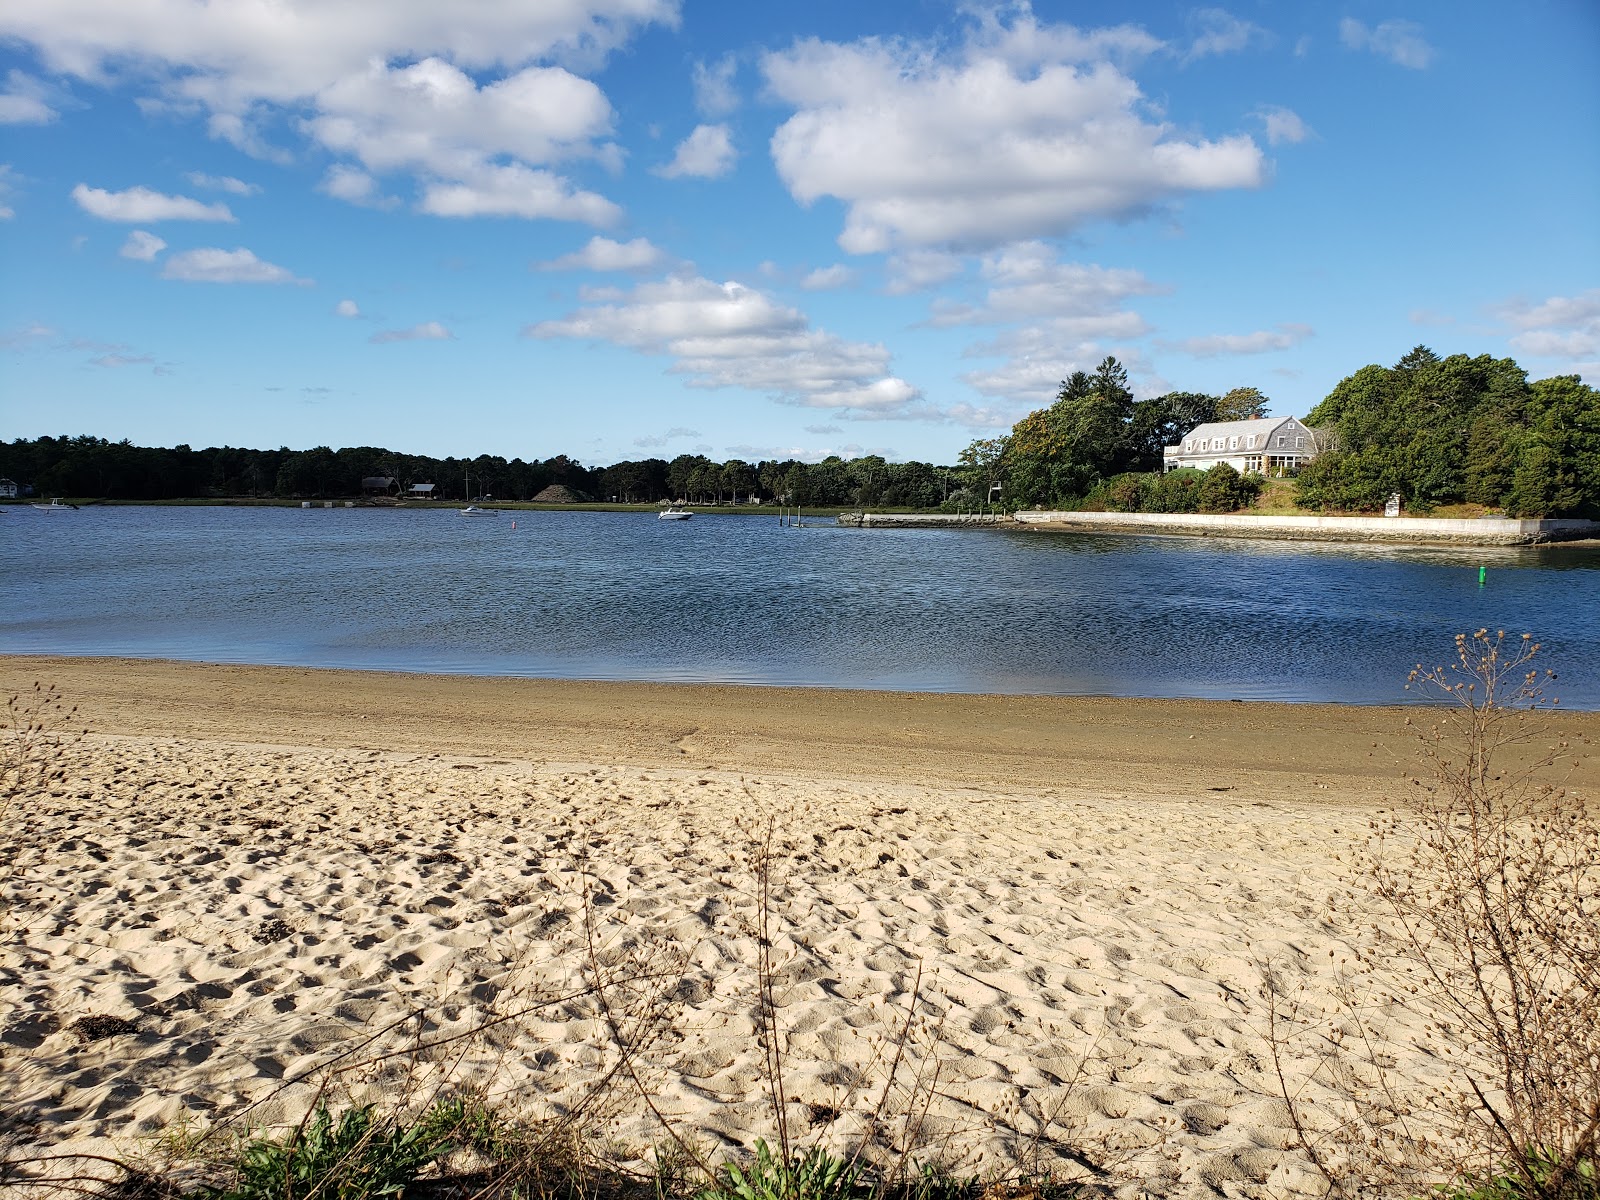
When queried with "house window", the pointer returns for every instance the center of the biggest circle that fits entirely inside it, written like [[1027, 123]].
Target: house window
[[1233, 443], [1189, 445], [1216, 443], [1299, 443], [1282, 442], [1250, 442]]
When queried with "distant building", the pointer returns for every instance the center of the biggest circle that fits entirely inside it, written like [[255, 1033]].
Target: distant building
[[420, 491], [8, 489], [1271, 446], [378, 485]]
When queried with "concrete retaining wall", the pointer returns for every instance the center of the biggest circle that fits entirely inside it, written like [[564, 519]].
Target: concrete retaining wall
[[1496, 531], [919, 520]]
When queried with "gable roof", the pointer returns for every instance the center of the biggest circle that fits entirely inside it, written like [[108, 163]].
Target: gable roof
[[1228, 429]]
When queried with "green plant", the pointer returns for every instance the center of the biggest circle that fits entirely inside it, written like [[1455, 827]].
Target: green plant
[[812, 1175], [1513, 1183], [357, 1157]]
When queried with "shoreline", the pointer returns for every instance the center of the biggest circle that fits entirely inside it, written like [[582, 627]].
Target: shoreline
[[1258, 750]]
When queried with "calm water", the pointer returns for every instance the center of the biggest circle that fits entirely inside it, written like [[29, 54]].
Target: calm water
[[741, 600]]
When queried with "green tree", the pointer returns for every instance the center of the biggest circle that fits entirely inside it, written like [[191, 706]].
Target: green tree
[[1242, 404]]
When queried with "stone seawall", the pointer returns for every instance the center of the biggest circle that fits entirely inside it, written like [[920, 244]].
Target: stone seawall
[[1495, 531], [921, 520]]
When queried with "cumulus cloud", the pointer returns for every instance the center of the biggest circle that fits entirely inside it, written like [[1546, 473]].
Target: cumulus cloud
[[1401, 42], [603, 254], [215, 265], [1028, 280], [1560, 327], [827, 278], [1262, 341], [25, 101], [428, 331], [1282, 125], [223, 183], [390, 95], [432, 116], [347, 308], [1019, 132], [1218, 31], [707, 153], [714, 93], [728, 335], [142, 246], [141, 205], [914, 270], [354, 186], [515, 190]]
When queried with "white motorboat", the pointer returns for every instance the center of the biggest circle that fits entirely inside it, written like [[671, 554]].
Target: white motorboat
[[472, 510], [56, 505], [674, 514]]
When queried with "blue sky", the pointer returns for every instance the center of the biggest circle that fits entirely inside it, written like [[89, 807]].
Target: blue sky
[[624, 228]]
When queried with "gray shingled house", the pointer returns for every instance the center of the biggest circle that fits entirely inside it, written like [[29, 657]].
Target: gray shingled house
[[1270, 446]]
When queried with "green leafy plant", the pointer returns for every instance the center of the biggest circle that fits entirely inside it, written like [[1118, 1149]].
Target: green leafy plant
[[356, 1157], [810, 1175]]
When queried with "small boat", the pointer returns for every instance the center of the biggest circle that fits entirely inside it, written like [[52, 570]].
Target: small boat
[[472, 510], [56, 505], [674, 514]]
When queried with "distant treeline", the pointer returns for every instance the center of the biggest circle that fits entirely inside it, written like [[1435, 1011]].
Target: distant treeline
[[1436, 430], [94, 467]]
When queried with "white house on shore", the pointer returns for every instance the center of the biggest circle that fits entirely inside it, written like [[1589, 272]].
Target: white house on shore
[[1271, 446]]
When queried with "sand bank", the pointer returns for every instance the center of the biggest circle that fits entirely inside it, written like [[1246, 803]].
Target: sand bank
[[265, 870]]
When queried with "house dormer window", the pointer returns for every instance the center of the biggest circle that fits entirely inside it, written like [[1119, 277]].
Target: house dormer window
[[1233, 443], [1250, 442]]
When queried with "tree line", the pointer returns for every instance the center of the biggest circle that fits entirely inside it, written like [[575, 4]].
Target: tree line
[[89, 466], [1436, 430]]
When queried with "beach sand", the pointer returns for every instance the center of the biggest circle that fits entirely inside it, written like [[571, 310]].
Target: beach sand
[[270, 871]]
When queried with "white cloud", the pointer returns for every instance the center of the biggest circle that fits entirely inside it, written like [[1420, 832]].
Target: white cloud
[[518, 191], [432, 117], [7, 174], [1027, 280], [393, 93], [24, 101], [1262, 341], [827, 278], [707, 153], [728, 335], [223, 183], [354, 186], [428, 331], [141, 205], [820, 430], [714, 93], [1010, 135], [1560, 327], [142, 246], [214, 265], [914, 270], [1282, 125], [122, 360], [347, 308], [656, 441], [26, 336], [1218, 31], [1401, 42], [603, 254], [230, 56]]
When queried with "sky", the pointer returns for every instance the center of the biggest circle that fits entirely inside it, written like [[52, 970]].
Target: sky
[[635, 228]]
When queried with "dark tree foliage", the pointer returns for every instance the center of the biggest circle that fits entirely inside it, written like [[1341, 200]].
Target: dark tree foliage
[[93, 467], [1446, 430]]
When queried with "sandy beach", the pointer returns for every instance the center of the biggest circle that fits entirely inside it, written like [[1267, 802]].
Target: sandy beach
[[268, 873]]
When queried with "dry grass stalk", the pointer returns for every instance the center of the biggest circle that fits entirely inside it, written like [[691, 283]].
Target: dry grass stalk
[[1478, 908]]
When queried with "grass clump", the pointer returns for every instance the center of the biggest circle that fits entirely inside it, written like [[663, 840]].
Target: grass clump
[[357, 1156]]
